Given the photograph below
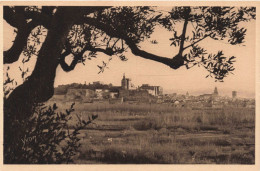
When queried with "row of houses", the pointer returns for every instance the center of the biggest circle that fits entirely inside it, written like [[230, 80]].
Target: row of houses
[[208, 100], [99, 91]]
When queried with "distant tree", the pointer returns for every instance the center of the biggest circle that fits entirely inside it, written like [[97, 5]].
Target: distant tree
[[81, 32]]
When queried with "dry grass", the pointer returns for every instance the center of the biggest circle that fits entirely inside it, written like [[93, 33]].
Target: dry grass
[[161, 133]]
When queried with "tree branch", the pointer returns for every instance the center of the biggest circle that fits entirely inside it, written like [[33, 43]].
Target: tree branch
[[48, 10], [115, 43], [12, 54], [183, 36], [9, 16], [197, 41], [39, 85], [107, 51], [174, 62], [17, 19], [38, 18], [63, 63], [77, 57], [14, 18]]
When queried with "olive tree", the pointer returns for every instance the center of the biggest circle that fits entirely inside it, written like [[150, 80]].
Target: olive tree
[[86, 31]]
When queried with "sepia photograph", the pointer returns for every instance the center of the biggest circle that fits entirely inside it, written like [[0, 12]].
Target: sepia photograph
[[129, 84]]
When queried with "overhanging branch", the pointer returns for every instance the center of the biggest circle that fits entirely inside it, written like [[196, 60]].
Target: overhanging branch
[[174, 62], [77, 57]]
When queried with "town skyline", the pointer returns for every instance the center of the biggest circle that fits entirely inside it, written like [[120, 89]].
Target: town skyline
[[225, 93]]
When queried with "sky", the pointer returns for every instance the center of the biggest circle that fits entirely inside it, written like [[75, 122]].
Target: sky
[[143, 71]]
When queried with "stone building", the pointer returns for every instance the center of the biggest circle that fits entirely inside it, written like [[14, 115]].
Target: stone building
[[153, 90], [79, 94], [99, 93]]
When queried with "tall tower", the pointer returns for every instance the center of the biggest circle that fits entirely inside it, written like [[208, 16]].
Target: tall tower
[[125, 83], [215, 91], [234, 94]]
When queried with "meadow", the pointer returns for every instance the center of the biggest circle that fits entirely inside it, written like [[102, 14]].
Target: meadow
[[164, 134]]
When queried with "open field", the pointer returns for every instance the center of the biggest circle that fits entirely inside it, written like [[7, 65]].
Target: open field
[[161, 133]]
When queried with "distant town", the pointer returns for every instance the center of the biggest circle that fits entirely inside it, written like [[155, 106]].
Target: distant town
[[97, 92]]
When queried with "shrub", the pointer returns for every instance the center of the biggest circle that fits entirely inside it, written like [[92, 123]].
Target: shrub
[[148, 124], [46, 138]]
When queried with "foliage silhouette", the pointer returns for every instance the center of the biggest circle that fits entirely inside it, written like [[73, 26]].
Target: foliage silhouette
[[47, 137]]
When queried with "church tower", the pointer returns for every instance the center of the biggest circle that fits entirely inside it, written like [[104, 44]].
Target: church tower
[[125, 82], [215, 91], [187, 94]]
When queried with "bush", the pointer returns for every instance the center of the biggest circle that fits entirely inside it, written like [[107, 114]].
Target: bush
[[148, 124], [46, 138]]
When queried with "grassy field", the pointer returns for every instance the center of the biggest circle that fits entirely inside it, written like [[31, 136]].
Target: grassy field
[[161, 133]]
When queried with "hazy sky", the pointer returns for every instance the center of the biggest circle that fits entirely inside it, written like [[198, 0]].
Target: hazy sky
[[146, 71]]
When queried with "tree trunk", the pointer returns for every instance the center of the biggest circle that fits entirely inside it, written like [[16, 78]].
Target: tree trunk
[[39, 86]]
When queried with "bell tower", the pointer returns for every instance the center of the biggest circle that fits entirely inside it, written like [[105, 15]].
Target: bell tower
[[215, 91], [125, 83]]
